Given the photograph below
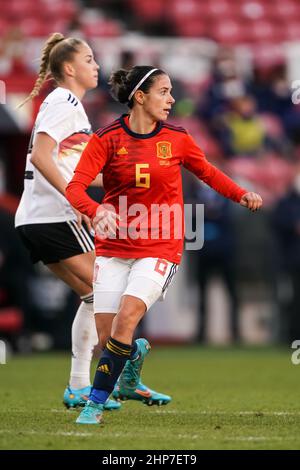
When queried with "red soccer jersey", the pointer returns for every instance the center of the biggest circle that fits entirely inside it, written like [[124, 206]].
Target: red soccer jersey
[[146, 169]]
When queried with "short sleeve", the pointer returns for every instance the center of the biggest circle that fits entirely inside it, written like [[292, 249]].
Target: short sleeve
[[58, 120]]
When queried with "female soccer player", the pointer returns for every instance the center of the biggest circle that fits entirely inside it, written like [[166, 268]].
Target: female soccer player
[[140, 156], [49, 227]]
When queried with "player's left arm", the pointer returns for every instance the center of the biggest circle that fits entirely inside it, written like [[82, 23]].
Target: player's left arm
[[195, 161]]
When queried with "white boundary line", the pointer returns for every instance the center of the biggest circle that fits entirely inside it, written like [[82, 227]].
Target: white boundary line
[[181, 436], [258, 413]]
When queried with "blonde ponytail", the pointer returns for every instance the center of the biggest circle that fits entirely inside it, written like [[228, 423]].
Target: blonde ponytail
[[44, 71]]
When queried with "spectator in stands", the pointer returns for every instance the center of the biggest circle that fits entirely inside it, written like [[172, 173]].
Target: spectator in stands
[[291, 122], [286, 220], [271, 89], [217, 256], [225, 85], [14, 49], [242, 132]]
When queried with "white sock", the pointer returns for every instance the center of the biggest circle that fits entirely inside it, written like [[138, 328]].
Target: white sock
[[84, 339]]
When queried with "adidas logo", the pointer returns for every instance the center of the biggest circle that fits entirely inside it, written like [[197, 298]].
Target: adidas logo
[[104, 368], [122, 151]]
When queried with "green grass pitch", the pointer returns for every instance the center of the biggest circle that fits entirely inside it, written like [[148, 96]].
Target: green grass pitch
[[244, 398]]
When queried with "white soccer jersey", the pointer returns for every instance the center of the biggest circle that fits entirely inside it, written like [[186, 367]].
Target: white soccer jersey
[[63, 118]]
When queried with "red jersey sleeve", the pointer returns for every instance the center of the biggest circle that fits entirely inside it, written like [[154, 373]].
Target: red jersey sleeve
[[91, 162], [196, 162]]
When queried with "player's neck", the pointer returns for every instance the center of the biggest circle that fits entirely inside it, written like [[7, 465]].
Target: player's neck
[[76, 89], [141, 124]]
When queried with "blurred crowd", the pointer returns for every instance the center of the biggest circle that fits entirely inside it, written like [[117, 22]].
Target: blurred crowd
[[247, 125]]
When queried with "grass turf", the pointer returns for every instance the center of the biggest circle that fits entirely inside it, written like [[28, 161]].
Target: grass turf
[[222, 399]]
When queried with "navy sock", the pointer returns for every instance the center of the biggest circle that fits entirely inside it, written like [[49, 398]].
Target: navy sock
[[109, 368], [98, 396]]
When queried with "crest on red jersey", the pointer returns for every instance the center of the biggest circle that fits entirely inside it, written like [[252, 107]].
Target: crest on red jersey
[[164, 149]]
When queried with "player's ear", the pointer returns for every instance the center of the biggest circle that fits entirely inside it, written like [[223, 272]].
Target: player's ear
[[139, 96], [68, 69]]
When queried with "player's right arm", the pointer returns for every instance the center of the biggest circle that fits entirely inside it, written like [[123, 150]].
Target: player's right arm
[[41, 158], [56, 123]]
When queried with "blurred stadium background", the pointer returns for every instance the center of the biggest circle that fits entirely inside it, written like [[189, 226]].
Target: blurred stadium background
[[232, 63]]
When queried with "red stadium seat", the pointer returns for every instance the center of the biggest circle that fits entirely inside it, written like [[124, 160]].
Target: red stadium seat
[[60, 25], [149, 11], [265, 31], [220, 8], [30, 9], [270, 175], [256, 9], [59, 9], [187, 10], [4, 26], [15, 9], [192, 28], [102, 28], [287, 9], [35, 28], [292, 30], [229, 32]]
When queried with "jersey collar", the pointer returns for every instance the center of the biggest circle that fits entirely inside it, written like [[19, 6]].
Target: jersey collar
[[124, 124]]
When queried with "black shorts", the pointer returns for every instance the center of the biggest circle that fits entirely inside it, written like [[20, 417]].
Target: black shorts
[[53, 242]]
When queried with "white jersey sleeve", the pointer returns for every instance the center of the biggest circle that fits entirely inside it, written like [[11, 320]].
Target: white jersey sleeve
[[63, 118], [58, 119]]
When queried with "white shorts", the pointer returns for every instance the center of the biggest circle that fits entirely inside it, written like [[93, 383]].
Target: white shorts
[[144, 278]]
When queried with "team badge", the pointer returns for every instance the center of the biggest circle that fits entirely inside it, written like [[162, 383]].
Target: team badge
[[164, 149]]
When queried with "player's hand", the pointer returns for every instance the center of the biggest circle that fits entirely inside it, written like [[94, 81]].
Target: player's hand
[[83, 218], [87, 221], [252, 201], [105, 223]]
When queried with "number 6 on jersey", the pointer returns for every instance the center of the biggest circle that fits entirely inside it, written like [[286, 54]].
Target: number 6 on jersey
[[142, 180]]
